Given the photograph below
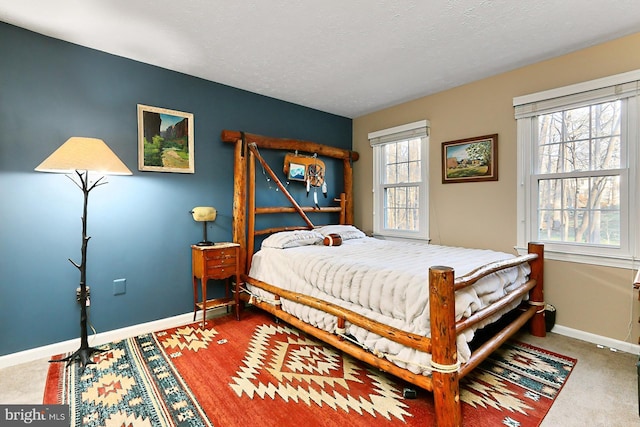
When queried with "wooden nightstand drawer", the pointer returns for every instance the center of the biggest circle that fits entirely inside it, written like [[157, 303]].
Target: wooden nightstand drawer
[[220, 262], [215, 254], [220, 271]]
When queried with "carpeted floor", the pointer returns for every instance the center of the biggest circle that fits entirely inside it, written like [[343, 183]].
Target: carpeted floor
[[278, 376]]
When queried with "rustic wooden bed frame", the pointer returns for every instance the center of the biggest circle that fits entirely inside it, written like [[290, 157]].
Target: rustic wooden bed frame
[[444, 380]]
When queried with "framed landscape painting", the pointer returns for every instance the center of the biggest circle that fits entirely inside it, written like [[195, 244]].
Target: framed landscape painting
[[165, 140], [470, 160]]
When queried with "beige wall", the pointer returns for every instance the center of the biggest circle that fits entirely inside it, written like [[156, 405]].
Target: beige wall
[[588, 298]]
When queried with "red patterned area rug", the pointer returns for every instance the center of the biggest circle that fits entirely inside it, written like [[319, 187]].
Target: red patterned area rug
[[260, 373]]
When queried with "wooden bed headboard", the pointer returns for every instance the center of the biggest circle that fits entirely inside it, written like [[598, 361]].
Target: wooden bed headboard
[[244, 209]]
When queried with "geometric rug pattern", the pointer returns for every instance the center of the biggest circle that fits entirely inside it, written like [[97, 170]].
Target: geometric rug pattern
[[257, 372], [297, 362], [516, 380], [131, 384]]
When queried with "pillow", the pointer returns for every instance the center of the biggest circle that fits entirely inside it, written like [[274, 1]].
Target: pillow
[[292, 239], [347, 232]]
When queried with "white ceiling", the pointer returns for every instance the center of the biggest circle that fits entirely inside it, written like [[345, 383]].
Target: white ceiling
[[347, 57]]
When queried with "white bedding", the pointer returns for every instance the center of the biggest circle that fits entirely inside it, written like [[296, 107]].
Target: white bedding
[[386, 281]]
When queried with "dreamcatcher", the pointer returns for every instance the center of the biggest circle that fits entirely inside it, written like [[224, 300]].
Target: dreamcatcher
[[309, 169]]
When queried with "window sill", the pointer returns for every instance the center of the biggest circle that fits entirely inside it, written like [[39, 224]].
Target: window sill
[[401, 238], [627, 262]]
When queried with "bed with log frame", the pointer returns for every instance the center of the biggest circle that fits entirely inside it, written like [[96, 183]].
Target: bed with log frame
[[443, 284]]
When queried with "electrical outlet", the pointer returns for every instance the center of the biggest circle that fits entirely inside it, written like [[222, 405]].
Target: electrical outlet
[[120, 286]]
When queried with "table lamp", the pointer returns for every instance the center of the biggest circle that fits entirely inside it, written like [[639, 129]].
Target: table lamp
[[81, 155], [204, 214]]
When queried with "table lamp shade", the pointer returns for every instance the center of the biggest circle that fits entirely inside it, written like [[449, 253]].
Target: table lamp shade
[[204, 213], [84, 154]]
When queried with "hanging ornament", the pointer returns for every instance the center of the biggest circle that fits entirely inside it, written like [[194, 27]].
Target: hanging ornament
[[298, 167], [309, 169], [315, 172], [266, 177]]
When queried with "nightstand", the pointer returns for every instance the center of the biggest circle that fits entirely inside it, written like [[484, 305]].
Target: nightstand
[[219, 261]]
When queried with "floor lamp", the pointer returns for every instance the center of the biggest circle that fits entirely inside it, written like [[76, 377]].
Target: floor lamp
[[80, 156]]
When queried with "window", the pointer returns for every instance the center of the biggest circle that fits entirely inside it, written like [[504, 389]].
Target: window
[[577, 163], [400, 198]]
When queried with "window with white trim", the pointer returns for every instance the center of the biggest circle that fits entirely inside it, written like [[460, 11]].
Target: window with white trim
[[578, 170], [401, 181]]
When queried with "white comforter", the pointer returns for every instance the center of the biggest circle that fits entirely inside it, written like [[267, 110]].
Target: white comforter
[[386, 281]]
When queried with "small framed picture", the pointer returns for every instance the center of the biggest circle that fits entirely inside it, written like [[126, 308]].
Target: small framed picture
[[165, 140], [470, 160], [297, 171]]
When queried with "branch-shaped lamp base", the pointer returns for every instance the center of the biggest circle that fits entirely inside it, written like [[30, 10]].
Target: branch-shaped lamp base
[[84, 353]]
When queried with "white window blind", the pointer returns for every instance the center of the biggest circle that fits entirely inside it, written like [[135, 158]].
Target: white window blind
[[408, 131]]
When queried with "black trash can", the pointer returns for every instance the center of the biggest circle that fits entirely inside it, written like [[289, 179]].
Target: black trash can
[[549, 317]]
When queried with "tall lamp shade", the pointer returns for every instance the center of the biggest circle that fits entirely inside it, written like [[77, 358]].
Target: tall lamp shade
[[81, 155], [84, 154]]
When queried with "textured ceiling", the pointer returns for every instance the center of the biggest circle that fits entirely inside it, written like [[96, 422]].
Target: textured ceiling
[[347, 57]]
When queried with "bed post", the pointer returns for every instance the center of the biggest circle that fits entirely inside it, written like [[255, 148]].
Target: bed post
[[343, 208], [444, 352], [348, 189], [240, 201], [250, 213], [537, 325]]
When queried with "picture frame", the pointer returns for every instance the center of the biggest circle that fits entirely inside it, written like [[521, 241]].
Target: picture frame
[[165, 140], [470, 160], [297, 171]]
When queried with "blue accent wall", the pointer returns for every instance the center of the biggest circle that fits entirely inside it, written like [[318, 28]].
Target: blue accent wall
[[140, 225]]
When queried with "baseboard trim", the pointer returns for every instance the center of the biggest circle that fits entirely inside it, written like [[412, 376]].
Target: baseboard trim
[[101, 338], [627, 347]]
